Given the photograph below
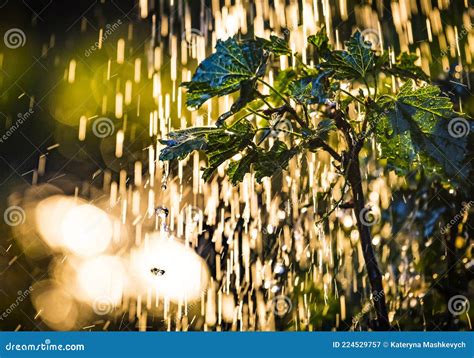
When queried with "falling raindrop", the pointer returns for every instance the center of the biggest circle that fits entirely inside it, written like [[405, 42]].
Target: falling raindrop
[[162, 212], [164, 179], [279, 268]]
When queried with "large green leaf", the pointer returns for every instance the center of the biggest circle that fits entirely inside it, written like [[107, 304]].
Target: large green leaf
[[413, 132], [351, 64], [237, 169], [233, 64]]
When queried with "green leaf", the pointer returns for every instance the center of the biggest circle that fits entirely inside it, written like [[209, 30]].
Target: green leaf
[[222, 146], [405, 67], [301, 90], [234, 64], [237, 170], [273, 161], [321, 42], [311, 90], [283, 81], [264, 163], [413, 132], [325, 126], [351, 64], [218, 143], [183, 142], [279, 46]]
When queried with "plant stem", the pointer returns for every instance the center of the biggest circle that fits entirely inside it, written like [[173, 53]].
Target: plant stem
[[371, 265], [318, 142], [353, 97], [306, 114], [282, 110], [259, 114], [275, 91], [281, 130], [262, 97], [240, 119]]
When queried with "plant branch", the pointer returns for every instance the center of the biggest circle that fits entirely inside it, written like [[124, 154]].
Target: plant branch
[[336, 205], [372, 267], [278, 93], [344, 127], [318, 142], [351, 95], [258, 114], [306, 114], [262, 97], [286, 108], [240, 119]]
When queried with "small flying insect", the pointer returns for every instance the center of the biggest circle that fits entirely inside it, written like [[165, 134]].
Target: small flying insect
[[157, 272]]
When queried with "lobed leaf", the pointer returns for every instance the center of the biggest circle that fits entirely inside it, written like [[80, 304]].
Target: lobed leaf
[[277, 45], [351, 64], [235, 64], [312, 89], [274, 161], [414, 130], [321, 41], [184, 142], [222, 146]]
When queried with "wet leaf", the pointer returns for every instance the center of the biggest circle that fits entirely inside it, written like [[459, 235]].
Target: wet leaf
[[311, 90], [354, 63], [183, 142], [274, 161], [222, 146], [321, 41], [234, 64], [277, 45], [414, 132]]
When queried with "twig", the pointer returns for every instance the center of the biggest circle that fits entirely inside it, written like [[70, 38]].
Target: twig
[[282, 110]]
